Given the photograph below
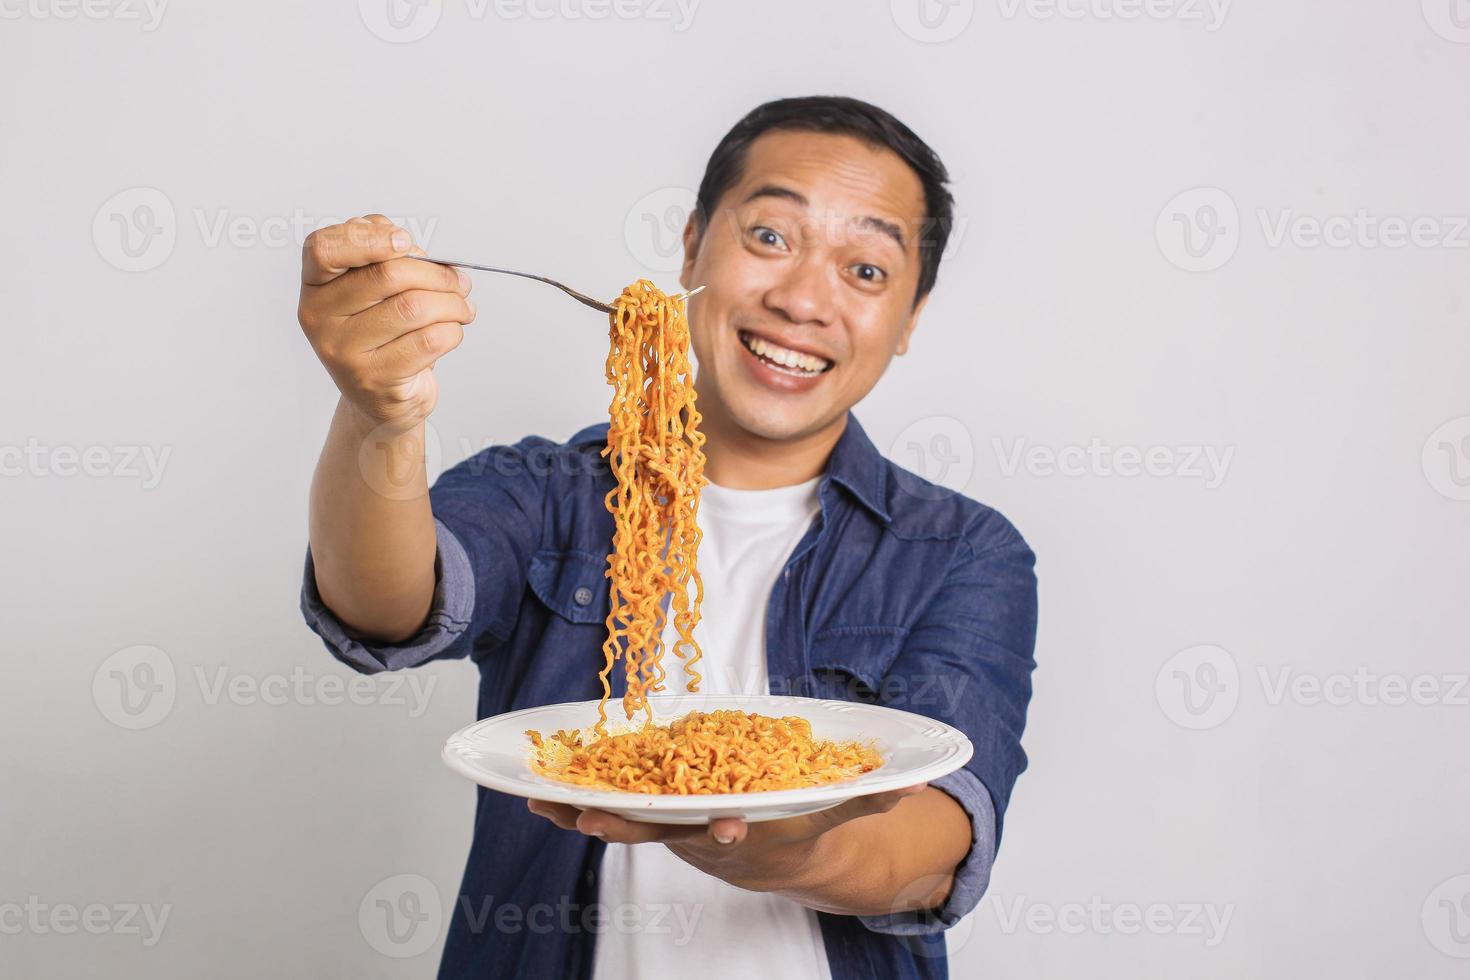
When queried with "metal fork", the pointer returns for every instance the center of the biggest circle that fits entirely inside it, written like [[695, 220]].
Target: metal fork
[[579, 297]]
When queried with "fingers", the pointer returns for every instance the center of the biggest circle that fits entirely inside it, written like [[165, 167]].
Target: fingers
[[728, 830], [408, 355], [614, 829], [561, 814], [725, 831], [329, 252], [404, 313], [359, 289]]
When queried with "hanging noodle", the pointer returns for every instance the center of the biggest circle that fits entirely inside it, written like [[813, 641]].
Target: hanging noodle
[[656, 453]]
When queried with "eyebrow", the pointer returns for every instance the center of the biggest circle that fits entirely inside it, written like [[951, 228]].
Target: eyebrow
[[867, 221]]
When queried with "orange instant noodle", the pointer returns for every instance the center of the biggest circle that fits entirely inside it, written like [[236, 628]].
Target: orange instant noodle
[[704, 753], [656, 453]]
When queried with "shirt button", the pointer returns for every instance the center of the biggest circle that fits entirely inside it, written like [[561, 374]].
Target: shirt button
[[582, 596]]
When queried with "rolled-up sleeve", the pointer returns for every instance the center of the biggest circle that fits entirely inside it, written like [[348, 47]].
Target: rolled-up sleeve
[[973, 875], [448, 619], [978, 636], [488, 515]]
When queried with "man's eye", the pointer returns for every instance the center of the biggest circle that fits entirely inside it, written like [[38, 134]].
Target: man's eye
[[768, 237], [869, 273]]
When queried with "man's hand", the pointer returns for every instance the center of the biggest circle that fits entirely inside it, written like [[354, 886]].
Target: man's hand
[[379, 320], [833, 860]]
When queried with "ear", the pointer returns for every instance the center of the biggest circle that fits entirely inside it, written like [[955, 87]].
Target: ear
[[693, 237], [908, 328]]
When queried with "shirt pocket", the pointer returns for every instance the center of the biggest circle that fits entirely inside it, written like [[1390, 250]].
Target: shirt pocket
[[850, 663], [572, 584]]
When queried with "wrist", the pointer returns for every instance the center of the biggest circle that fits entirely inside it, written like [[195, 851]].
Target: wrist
[[360, 424]]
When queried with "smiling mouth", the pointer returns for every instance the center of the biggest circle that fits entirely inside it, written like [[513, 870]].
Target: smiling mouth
[[783, 359]]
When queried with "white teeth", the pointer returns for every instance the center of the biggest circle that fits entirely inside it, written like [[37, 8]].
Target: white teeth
[[784, 356]]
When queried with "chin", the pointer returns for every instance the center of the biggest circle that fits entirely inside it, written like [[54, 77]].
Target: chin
[[778, 419]]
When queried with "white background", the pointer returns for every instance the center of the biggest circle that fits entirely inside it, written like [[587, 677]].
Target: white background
[[1335, 540]]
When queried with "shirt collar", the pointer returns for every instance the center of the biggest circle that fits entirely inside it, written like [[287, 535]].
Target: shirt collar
[[857, 465]]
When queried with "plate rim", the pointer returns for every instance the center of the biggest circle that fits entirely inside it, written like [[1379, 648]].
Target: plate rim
[[613, 800]]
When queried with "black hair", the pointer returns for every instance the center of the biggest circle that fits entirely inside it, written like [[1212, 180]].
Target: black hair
[[842, 116]]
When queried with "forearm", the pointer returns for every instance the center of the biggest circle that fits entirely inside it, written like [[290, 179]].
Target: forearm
[[372, 529], [888, 862]]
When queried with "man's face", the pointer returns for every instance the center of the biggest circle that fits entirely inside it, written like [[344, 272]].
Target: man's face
[[810, 263]]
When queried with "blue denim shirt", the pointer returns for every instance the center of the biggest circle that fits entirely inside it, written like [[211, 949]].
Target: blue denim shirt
[[901, 593]]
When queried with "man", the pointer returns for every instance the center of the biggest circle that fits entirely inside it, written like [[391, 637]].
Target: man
[[828, 571]]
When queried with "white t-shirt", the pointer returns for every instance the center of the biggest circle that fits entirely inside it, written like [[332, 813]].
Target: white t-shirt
[[679, 921]]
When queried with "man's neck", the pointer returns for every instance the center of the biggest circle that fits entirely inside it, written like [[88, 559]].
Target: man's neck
[[740, 460]]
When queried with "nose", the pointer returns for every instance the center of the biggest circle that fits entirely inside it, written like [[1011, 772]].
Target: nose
[[804, 294]]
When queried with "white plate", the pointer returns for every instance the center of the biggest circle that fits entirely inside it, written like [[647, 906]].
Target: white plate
[[496, 753]]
